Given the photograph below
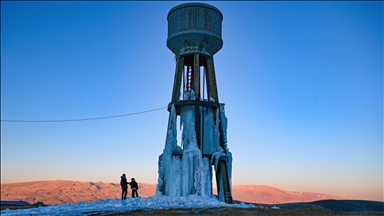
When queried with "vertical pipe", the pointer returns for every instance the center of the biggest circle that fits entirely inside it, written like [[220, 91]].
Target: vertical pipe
[[207, 82], [196, 78], [203, 114], [196, 88], [203, 97], [198, 125], [184, 84]]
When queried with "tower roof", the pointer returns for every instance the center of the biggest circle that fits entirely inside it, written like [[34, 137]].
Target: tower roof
[[194, 27], [195, 5]]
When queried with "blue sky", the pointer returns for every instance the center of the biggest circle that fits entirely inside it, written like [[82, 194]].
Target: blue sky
[[302, 83]]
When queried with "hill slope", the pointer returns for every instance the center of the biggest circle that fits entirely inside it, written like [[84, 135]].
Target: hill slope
[[272, 195], [63, 191]]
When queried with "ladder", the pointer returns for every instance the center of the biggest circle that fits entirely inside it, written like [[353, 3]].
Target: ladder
[[189, 78]]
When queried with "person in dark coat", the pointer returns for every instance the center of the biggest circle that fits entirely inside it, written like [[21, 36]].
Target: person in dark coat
[[134, 187], [124, 186]]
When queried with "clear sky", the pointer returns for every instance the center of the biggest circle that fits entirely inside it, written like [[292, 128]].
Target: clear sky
[[302, 83]]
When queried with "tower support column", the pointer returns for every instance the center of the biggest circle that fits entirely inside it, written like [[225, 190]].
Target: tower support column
[[177, 80]]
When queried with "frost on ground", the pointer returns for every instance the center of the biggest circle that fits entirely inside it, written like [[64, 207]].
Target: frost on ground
[[130, 204]]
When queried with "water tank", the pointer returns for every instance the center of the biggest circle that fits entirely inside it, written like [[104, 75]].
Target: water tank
[[194, 27]]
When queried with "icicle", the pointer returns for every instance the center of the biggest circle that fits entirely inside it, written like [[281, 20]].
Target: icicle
[[219, 152], [206, 177], [192, 95], [160, 179], [229, 167], [165, 159], [171, 140], [186, 95], [216, 156], [189, 95], [224, 123], [211, 99], [197, 174]]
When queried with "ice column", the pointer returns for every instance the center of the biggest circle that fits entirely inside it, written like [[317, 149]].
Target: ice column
[[191, 174]]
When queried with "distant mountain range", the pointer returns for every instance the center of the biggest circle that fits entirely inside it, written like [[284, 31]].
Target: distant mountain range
[[271, 195], [63, 191]]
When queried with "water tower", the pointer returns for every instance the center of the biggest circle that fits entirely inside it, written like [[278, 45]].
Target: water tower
[[194, 36]]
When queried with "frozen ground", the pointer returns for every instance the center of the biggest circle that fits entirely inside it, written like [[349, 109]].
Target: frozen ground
[[131, 204]]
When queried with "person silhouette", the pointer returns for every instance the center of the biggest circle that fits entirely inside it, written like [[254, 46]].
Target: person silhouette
[[124, 187], [134, 187]]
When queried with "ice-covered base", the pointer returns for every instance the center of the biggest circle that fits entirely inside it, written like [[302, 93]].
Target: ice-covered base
[[130, 204], [182, 169], [190, 174]]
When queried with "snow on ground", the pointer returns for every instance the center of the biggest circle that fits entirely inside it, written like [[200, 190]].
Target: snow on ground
[[130, 204]]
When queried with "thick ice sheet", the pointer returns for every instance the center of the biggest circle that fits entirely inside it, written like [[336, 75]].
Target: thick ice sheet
[[131, 204]]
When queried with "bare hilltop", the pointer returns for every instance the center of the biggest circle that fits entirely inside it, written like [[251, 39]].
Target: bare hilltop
[[290, 203], [64, 191]]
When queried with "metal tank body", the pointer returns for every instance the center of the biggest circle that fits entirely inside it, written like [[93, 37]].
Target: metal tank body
[[194, 36], [194, 27]]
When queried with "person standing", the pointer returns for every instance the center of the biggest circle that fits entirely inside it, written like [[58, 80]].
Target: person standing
[[124, 186], [134, 187]]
